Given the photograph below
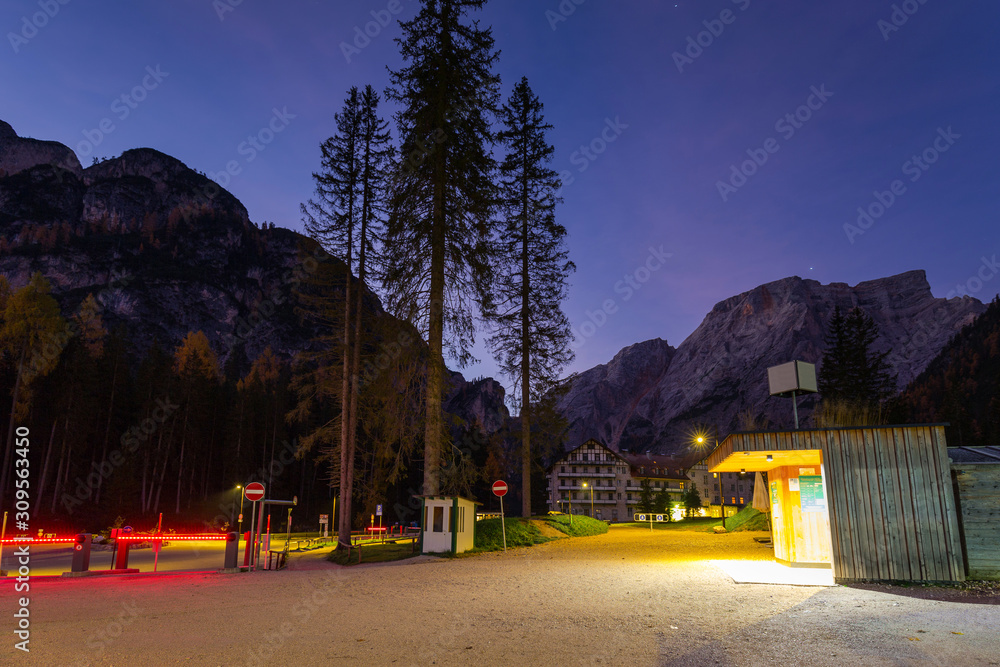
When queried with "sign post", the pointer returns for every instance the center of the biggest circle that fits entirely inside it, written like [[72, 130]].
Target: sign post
[[158, 544], [500, 490], [324, 520], [378, 513], [254, 492]]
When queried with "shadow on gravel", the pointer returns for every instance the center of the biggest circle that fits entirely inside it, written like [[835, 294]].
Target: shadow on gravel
[[971, 592]]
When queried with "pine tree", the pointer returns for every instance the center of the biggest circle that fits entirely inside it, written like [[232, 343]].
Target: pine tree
[[646, 503], [531, 333], [852, 371], [439, 258], [692, 500]]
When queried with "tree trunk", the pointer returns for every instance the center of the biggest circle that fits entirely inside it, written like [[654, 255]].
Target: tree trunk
[[346, 455], [180, 459], [10, 427], [107, 428], [45, 471], [525, 354]]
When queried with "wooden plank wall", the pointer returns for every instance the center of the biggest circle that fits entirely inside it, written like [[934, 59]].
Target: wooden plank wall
[[979, 498], [892, 508]]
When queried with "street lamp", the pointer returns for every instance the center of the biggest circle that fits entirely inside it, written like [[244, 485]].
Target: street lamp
[[591, 499], [239, 487], [700, 439]]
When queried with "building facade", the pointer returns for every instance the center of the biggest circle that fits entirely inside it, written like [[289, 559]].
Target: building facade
[[737, 488], [593, 480]]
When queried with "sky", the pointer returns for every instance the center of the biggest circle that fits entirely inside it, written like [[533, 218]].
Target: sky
[[706, 147]]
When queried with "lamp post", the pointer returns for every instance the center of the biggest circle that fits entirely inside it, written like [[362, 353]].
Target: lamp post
[[722, 499], [239, 487], [591, 499]]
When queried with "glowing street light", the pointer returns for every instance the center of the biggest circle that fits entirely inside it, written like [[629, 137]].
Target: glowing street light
[[700, 438], [591, 499], [239, 488]]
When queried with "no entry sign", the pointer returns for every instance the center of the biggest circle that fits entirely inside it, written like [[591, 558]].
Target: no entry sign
[[500, 488], [254, 491]]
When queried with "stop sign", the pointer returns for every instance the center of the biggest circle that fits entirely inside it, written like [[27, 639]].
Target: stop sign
[[500, 488], [254, 491]]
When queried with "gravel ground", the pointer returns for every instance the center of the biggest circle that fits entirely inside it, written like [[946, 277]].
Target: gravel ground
[[630, 597]]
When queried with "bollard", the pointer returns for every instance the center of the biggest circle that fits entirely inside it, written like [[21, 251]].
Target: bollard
[[246, 554], [121, 557], [81, 553], [232, 550]]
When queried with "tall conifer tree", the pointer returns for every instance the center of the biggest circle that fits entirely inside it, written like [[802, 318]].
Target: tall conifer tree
[[531, 333], [438, 254]]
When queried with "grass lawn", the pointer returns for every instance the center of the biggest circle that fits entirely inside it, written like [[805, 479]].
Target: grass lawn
[[376, 553], [579, 526]]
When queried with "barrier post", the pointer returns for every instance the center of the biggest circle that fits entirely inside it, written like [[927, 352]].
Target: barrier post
[[232, 551], [81, 553], [246, 549], [121, 557]]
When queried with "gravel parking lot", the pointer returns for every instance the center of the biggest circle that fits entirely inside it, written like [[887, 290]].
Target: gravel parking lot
[[628, 597]]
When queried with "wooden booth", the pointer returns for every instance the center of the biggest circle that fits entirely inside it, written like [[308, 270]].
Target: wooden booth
[[449, 524], [875, 503]]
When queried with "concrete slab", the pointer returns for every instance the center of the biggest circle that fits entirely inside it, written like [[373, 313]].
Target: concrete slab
[[770, 572]]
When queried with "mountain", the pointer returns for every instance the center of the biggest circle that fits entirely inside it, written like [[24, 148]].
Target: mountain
[[165, 251], [961, 386], [654, 397]]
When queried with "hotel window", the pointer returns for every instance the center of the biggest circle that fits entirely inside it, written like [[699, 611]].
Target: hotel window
[[734, 501], [562, 468], [741, 502], [619, 496], [573, 468]]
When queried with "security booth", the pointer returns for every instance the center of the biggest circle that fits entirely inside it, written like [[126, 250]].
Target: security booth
[[872, 503], [449, 524]]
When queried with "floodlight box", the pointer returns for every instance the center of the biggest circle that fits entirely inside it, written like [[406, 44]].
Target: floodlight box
[[795, 377]]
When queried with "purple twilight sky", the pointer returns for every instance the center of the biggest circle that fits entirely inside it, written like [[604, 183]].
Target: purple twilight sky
[[654, 104]]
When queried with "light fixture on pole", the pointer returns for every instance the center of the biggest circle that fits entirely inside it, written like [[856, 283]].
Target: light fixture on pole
[[591, 499], [700, 439], [239, 488], [792, 379]]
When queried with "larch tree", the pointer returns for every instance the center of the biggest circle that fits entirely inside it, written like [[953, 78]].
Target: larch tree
[[531, 334], [32, 334], [347, 218], [439, 260]]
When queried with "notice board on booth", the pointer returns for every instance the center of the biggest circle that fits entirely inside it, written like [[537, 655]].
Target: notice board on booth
[[811, 493]]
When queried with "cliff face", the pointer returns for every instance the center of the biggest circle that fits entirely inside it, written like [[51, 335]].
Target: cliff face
[[720, 370], [166, 251]]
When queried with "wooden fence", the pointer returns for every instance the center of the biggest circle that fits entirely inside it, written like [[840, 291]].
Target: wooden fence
[[978, 487]]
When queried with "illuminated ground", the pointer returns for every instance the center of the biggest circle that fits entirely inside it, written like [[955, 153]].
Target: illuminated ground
[[629, 597]]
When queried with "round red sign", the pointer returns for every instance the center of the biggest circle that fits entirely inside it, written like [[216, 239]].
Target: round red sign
[[254, 491], [500, 488]]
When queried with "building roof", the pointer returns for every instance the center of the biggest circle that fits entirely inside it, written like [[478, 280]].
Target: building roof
[[974, 455]]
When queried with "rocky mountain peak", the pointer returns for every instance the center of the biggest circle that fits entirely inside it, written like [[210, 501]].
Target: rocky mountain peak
[[19, 154], [649, 397]]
